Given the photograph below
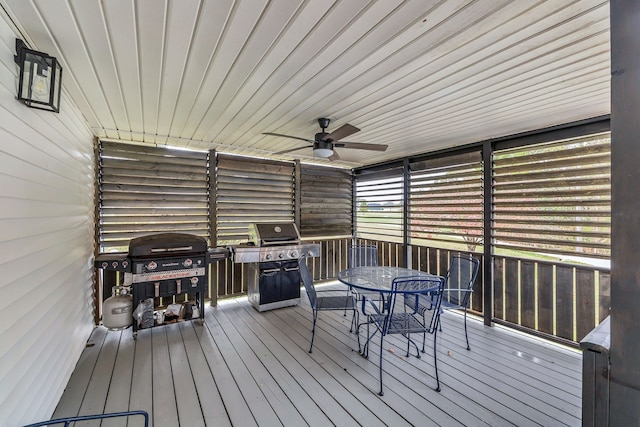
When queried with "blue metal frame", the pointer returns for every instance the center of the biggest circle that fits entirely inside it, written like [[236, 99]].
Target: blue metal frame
[[68, 420]]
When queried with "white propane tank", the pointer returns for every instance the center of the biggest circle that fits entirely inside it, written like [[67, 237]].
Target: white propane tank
[[117, 309]]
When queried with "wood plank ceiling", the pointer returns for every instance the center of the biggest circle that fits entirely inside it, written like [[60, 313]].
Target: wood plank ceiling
[[415, 75]]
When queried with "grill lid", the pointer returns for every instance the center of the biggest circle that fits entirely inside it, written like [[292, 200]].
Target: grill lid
[[163, 244], [272, 234]]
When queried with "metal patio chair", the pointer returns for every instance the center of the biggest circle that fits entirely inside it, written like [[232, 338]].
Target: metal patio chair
[[319, 302], [390, 320], [362, 255], [458, 288]]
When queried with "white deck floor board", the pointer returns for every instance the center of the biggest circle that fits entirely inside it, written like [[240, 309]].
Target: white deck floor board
[[282, 366], [211, 403], [422, 397], [254, 398], [141, 397], [325, 371], [345, 387], [507, 377], [419, 375], [120, 387], [415, 408], [244, 368], [274, 384], [97, 389], [233, 400], [165, 409], [309, 375], [188, 403], [76, 388]]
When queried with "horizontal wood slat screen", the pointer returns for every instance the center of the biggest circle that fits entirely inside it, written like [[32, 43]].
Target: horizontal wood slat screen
[[446, 202], [145, 190], [380, 205], [250, 190], [326, 198], [554, 198]]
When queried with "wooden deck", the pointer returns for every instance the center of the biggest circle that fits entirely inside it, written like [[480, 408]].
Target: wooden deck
[[246, 368]]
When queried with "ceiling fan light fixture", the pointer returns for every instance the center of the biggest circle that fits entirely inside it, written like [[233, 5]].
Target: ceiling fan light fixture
[[322, 152]]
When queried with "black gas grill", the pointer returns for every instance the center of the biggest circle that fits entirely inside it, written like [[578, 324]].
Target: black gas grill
[[165, 265], [272, 254]]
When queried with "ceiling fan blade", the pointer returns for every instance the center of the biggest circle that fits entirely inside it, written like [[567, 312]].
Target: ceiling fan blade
[[290, 150], [334, 156], [361, 146], [289, 136], [342, 132]]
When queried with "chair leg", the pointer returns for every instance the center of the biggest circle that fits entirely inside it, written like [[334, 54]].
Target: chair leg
[[408, 345], [381, 345], [435, 358], [313, 330], [345, 308], [424, 334], [365, 347], [409, 342], [354, 320], [465, 328]]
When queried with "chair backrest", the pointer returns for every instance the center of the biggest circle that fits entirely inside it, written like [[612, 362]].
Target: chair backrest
[[463, 270], [307, 280], [362, 255], [415, 285]]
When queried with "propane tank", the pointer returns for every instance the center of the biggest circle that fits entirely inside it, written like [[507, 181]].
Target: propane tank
[[117, 309]]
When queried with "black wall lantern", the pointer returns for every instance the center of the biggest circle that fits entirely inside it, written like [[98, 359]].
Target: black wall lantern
[[39, 78]]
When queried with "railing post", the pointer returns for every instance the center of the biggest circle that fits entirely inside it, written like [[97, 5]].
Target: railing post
[[487, 270], [405, 213], [595, 375]]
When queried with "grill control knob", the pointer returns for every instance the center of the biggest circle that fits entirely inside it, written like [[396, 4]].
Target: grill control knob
[[293, 254], [281, 255], [267, 257], [310, 253]]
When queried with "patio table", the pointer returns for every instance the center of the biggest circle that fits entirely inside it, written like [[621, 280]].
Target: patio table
[[391, 282], [378, 279]]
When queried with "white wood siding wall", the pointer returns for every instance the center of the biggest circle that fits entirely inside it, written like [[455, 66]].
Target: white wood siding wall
[[46, 247]]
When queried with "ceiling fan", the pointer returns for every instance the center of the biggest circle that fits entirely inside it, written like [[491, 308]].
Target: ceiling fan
[[324, 143]]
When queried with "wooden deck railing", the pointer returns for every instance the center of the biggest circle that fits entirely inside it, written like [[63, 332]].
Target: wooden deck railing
[[555, 299], [550, 298], [564, 300]]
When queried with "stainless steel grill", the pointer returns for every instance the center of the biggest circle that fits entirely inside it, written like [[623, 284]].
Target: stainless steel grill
[[272, 254], [273, 242]]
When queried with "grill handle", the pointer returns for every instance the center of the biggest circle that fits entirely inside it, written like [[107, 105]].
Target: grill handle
[[291, 269], [173, 249]]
